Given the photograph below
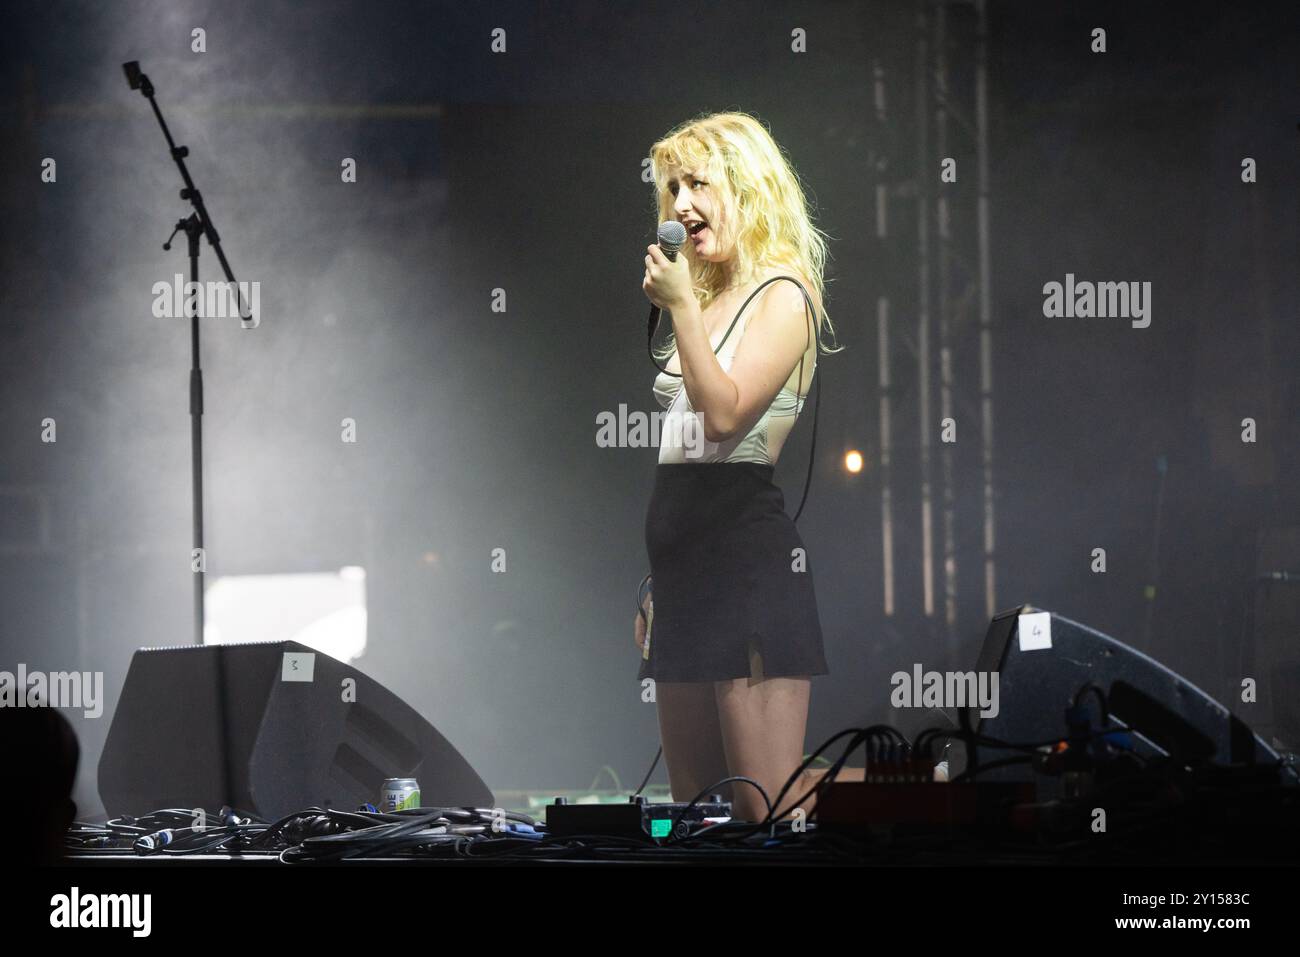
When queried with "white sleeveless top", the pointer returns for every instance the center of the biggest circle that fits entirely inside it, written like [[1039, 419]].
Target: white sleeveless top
[[681, 432]]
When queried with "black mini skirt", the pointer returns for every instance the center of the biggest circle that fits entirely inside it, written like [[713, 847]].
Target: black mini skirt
[[730, 577]]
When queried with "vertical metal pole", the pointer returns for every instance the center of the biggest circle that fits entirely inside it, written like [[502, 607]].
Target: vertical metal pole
[[886, 452], [882, 333], [985, 299], [924, 172], [193, 232], [945, 323]]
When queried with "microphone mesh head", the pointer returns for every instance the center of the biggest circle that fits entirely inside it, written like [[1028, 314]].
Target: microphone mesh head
[[672, 235]]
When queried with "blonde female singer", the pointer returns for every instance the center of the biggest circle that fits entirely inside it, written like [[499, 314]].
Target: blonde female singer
[[734, 638]]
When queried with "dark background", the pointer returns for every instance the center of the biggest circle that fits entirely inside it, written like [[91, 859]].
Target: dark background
[[522, 172]]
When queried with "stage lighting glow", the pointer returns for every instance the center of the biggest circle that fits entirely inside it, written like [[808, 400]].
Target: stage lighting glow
[[322, 610]]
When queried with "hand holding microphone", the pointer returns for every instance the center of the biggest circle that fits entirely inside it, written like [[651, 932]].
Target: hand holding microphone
[[667, 280]]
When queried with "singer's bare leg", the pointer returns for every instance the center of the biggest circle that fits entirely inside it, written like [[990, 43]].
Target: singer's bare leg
[[691, 737], [763, 725]]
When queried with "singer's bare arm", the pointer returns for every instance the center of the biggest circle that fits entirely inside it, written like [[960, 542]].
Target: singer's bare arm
[[712, 392], [779, 333]]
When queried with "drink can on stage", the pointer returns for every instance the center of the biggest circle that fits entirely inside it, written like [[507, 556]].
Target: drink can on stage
[[400, 794]]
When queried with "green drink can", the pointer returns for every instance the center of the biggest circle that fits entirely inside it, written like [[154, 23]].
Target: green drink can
[[400, 794]]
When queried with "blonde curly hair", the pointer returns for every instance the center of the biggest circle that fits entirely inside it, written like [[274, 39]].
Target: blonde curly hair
[[764, 210]]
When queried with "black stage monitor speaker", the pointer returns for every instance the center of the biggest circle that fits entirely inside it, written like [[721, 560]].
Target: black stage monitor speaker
[[1043, 659], [271, 728]]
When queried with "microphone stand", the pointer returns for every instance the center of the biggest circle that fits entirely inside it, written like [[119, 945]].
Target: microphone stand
[[196, 225]]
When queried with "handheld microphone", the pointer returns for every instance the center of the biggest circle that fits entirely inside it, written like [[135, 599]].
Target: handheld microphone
[[672, 236]]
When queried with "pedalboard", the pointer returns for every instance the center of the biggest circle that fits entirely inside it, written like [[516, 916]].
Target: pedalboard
[[637, 819]]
